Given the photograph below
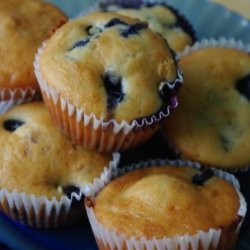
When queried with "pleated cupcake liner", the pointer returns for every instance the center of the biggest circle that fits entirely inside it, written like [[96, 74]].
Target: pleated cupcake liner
[[221, 42], [13, 97], [94, 133], [214, 238], [41, 212], [99, 6]]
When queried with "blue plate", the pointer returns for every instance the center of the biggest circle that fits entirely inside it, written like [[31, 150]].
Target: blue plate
[[209, 20]]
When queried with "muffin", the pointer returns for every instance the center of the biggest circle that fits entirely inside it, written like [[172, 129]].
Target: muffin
[[23, 28], [108, 80], [43, 176], [167, 206], [212, 123], [162, 19]]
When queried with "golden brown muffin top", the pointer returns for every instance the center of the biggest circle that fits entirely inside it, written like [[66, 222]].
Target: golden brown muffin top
[[164, 21], [212, 122], [166, 201], [37, 159], [24, 24], [109, 65]]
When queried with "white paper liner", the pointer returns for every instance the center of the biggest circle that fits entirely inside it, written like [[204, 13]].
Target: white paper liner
[[97, 6], [213, 43], [207, 240], [15, 97], [106, 176], [41, 212], [101, 142]]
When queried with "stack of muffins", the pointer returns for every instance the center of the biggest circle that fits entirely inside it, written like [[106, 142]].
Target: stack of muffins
[[109, 81]]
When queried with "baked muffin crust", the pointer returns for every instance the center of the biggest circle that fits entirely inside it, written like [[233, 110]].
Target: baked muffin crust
[[166, 201]]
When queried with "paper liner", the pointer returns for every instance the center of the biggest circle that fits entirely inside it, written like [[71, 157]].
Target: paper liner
[[213, 43], [12, 97], [221, 239], [41, 212], [98, 134]]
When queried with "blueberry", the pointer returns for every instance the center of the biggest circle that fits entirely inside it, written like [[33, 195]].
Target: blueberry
[[130, 29], [181, 21], [11, 125], [114, 22], [113, 87], [243, 86], [80, 43], [93, 30], [201, 178], [68, 190], [134, 29]]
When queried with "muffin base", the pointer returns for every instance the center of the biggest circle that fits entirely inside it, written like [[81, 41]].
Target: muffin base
[[12, 97]]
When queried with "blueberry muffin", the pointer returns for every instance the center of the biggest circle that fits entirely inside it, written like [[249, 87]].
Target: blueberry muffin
[[37, 160], [23, 28], [112, 73], [164, 204], [163, 19], [212, 122]]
